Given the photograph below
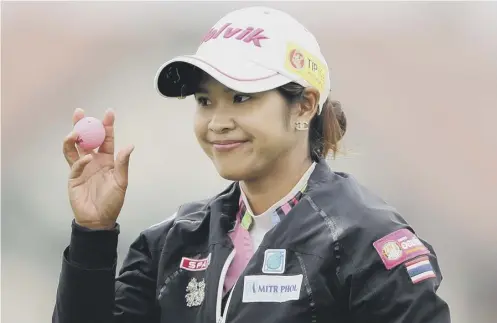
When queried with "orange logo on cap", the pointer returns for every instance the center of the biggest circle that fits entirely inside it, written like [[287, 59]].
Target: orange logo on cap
[[297, 59]]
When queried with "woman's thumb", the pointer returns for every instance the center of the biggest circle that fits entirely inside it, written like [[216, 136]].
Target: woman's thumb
[[121, 166]]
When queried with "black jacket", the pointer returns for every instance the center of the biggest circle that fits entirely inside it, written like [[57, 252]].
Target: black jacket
[[331, 270]]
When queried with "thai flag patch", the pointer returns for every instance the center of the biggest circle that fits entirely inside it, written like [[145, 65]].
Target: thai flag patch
[[420, 269]]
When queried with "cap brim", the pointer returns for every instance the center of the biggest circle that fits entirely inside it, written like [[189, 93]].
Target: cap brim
[[180, 76]]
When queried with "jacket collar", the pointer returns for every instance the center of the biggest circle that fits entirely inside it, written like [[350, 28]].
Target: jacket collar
[[224, 206]]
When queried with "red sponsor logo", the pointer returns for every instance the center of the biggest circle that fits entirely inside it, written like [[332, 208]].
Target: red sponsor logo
[[248, 35], [195, 264], [297, 59]]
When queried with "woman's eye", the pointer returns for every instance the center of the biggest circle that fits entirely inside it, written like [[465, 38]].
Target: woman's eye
[[240, 98], [203, 101]]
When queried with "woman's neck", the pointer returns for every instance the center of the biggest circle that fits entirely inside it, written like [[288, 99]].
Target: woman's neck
[[264, 192]]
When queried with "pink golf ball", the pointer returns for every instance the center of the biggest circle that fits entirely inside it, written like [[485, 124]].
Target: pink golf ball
[[91, 133]]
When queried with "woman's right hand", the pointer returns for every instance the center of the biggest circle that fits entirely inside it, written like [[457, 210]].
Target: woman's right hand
[[97, 181]]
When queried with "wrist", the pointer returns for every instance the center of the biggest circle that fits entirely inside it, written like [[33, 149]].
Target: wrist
[[97, 225]]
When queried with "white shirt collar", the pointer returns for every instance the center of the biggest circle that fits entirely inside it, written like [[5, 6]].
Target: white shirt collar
[[300, 185]]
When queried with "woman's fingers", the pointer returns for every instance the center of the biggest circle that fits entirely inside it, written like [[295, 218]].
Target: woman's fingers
[[79, 166], [77, 115], [107, 146], [121, 166], [69, 148]]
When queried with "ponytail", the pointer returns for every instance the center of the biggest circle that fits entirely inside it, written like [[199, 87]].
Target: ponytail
[[326, 130]]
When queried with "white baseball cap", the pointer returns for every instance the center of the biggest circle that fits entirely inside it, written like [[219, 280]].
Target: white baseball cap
[[250, 50]]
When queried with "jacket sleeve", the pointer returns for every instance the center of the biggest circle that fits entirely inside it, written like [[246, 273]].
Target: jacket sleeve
[[400, 291], [88, 291]]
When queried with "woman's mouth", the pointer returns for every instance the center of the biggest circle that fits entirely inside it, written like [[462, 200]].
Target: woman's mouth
[[227, 145]]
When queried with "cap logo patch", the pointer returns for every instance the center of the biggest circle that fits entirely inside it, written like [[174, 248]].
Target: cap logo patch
[[297, 59], [247, 35], [303, 64]]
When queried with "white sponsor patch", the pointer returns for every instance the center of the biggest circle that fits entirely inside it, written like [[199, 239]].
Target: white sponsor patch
[[270, 288]]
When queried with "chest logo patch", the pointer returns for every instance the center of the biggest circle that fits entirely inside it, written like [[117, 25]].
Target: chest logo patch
[[191, 264], [195, 292], [274, 261]]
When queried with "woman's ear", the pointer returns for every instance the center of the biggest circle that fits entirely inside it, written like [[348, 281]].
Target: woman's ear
[[308, 107]]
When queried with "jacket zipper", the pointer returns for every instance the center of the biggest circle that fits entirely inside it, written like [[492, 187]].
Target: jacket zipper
[[219, 317]]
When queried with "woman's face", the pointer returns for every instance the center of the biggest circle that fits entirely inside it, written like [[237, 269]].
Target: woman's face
[[244, 134]]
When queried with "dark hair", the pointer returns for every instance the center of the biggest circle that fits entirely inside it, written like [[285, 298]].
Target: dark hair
[[325, 129]]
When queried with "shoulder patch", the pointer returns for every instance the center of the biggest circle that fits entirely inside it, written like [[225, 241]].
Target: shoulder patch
[[420, 269], [398, 247]]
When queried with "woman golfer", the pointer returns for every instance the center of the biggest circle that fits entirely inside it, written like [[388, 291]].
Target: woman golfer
[[289, 241]]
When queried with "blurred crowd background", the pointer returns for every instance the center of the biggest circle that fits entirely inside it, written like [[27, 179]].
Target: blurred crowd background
[[417, 80]]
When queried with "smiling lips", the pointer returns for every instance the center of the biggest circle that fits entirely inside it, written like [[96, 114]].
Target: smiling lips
[[227, 145]]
